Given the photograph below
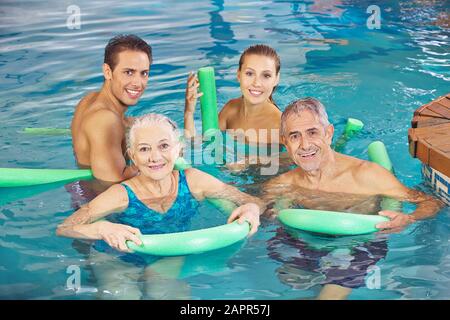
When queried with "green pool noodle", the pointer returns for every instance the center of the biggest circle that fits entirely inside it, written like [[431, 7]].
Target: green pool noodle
[[224, 205], [181, 164], [330, 222], [352, 127], [208, 101], [48, 131], [378, 154], [20, 177], [198, 241], [191, 242]]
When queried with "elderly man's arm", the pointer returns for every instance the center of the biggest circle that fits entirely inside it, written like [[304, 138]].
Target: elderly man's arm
[[385, 183], [277, 195]]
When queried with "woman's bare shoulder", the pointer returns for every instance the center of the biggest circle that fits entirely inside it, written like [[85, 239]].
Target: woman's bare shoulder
[[232, 106]]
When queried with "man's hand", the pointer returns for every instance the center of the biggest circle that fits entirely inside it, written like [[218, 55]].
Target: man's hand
[[398, 221], [248, 212]]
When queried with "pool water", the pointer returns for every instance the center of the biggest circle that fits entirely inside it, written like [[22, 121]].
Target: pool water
[[379, 76]]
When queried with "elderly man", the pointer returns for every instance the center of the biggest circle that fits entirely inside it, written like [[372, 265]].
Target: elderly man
[[348, 181], [328, 180]]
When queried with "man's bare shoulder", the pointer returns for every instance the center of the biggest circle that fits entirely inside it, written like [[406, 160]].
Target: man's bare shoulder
[[363, 168], [369, 174], [355, 166], [92, 105], [284, 178], [103, 118], [349, 162], [85, 106], [88, 99], [92, 108]]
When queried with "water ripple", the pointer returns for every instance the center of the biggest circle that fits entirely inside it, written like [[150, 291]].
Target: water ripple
[[378, 76]]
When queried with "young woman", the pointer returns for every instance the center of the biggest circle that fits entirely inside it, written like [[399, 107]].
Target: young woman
[[158, 200], [258, 75]]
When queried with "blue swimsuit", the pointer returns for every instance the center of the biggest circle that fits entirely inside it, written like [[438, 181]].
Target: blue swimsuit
[[149, 221]]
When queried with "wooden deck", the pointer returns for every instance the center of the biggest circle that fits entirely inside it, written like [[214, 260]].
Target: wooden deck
[[429, 135]]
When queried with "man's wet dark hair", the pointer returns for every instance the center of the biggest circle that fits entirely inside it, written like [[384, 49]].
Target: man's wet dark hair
[[124, 42]]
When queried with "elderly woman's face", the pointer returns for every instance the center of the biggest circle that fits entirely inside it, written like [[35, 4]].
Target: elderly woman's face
[[155, 150]]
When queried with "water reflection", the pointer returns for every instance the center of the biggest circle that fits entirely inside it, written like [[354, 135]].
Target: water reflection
[[222, 34]]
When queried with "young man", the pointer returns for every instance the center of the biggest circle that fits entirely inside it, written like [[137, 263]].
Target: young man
[[99, 123]]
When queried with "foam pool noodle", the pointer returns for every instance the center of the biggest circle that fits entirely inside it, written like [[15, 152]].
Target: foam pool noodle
[[48, 131], [352, 127], [377, 153], [208, 101]]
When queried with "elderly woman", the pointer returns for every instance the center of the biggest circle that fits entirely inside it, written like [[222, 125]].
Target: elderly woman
[[158, 200]]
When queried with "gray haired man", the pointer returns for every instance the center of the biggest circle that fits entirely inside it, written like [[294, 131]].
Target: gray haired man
[[344, 181], [328, 180]]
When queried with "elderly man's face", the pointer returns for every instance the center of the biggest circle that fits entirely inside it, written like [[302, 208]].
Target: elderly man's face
[[307, 140]]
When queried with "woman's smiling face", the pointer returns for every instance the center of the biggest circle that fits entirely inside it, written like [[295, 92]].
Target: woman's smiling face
[[257, 77], [155, 150]]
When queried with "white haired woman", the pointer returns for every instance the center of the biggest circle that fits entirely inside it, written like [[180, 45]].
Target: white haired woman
[[158, 200]]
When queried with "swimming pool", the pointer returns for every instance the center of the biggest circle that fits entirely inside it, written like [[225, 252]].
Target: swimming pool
[[380, 77]]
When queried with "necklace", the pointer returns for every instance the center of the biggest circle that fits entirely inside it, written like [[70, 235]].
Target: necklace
[[160, 204], [144, 191]]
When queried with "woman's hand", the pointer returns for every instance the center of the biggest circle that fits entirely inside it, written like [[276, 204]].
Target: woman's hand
[[116, 235], [248, 212], [192, 93]]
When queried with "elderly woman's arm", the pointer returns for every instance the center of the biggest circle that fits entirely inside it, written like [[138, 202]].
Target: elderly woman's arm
[[84, 224], [203, 185]]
